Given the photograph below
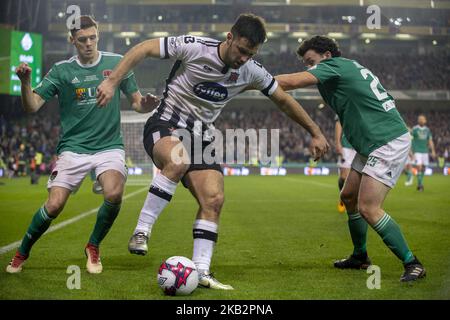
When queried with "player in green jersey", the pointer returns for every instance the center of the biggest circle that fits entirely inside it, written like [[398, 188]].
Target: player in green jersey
[[409, 165], [90, 137], [346, 153], [379, 135], [422, 140]]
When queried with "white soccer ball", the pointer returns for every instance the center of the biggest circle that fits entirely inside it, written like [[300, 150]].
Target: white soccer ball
[[178, 276]]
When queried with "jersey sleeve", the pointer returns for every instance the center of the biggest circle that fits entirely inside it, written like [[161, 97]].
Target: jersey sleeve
[[178, 48], [50, 85], [325, 71], [128, 84], [262, 79]]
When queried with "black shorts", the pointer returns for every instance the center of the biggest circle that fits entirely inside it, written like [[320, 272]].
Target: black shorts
[[156, 129]]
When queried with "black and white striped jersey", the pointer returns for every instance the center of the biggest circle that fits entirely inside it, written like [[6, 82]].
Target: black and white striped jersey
[[200, 84]]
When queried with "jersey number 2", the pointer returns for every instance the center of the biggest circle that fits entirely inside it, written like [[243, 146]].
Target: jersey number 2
[[374, 85]]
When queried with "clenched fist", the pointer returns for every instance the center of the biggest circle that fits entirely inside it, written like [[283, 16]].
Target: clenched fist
[[23, 71]]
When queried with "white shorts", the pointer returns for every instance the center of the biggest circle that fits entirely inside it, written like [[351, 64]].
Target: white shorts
[[345, 160], [386, 163], [71, 168], [421, 159]]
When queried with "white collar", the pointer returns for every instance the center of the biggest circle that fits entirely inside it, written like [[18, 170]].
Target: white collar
[[89, 65]]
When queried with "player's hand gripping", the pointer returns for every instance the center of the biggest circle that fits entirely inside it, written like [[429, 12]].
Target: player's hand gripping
[[149, 102], [23, 71], [318, 146], [105, 92]]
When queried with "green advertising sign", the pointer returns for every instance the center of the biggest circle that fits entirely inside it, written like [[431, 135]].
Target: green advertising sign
[[19, 47]]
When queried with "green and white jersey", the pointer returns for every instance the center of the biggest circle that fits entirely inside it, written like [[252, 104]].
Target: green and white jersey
[[344, 141], [366, 111], [420, 136], [86, 128]]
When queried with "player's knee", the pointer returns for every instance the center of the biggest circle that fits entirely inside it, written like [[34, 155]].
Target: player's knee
[[214, 203], [348, 198], [54, 207], [175, 171], [367, 210], [114, 195]]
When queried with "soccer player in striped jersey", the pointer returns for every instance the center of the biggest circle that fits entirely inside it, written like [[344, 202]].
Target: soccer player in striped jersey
[[374, 127], [90, 136], [206, 74]]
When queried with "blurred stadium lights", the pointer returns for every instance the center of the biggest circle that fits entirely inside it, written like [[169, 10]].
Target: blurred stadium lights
[[404, 36], [197, 33], [369, 35], [367, 41], [128, 34], [349, 19], [337, 35], [158, 34], [299, 34]]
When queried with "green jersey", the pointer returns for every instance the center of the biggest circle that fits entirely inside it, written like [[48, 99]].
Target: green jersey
[[420, 138], [86, 128], [344, 141], [366, 111]]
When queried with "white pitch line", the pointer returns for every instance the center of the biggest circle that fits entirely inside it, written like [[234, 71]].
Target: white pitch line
[[60, 225]]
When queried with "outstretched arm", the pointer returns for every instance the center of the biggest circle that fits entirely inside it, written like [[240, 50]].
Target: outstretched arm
[[296, 80], [145, 49], [31, 101], [319, 145]]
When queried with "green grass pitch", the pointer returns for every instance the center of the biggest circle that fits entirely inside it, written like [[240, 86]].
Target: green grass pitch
[[278, 239]]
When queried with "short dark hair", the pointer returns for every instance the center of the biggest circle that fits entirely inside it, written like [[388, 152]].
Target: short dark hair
[[251, 27], [319, 44], [85, 23]]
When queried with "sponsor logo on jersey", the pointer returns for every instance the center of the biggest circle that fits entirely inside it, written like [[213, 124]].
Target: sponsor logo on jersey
[[83, 94], [234, 76], [75, 80], [91, 78], [106, 73], [211, 91], [207, 68]]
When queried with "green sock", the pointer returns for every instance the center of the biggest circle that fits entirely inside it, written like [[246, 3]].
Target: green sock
[[420, 178], [409, 175], [105, 218], [358, 231], [392, 236], [39, 224]]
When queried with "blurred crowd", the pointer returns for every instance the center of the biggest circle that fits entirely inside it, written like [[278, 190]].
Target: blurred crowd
[[28, 144], [294, 140], [395, 70]]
